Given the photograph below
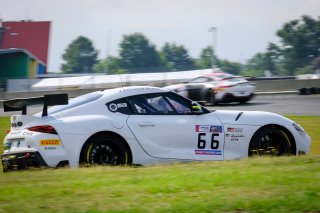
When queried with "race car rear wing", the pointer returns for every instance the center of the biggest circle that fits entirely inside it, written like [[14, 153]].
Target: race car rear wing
[[20, 104]]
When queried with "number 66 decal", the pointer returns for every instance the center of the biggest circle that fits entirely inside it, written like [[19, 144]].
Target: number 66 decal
[[202, 142]]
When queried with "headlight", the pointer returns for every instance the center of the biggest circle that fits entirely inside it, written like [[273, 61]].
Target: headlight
[[298, 127]]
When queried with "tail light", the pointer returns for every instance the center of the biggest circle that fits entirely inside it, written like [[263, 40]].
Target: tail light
[[224, 87], [221, 88], [43, 129]]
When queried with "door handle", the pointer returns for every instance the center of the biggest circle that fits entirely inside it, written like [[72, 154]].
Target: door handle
[[146, 124]]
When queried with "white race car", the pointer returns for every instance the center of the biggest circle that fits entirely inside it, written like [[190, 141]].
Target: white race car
[[139, 126]]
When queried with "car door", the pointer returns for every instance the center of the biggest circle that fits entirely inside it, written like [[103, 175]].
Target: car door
[[165, 127]]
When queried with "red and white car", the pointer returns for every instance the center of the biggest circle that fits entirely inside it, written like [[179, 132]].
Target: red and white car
[[215, 88]]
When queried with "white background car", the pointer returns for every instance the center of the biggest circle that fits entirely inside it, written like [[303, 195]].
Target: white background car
[[215, 88], [141, 125]]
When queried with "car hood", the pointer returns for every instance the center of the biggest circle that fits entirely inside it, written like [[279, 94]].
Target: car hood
[[251, 118]]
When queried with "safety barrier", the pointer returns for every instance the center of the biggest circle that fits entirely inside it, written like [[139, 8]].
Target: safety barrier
[[306, 86]]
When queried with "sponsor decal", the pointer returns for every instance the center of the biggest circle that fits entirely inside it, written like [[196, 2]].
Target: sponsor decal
[[50, 142], [27, 133], [234, 137], [231, 129], [121, 105], [207, 152], [113, 107], [208, 128], [50, 148], [237, 136]]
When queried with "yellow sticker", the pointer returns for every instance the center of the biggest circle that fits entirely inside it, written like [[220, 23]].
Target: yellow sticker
[[50, 142]]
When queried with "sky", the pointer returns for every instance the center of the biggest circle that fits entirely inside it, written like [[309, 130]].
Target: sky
[[243, 27]]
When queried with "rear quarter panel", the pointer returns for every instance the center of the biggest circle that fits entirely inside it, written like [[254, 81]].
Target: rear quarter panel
[[76, 130]]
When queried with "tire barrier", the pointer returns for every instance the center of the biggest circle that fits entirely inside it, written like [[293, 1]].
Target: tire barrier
[[309, 90]]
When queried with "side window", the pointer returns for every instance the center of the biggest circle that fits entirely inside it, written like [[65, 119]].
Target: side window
[[199, 80], [154, 104], [139, 109], [119, 106], [180, 105], [167, 103], [140, 105], [159, 103]]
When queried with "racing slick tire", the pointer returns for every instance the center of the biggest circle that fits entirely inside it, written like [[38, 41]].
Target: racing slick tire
[[272, 141], [243, 101], [4, 168], [106, 149], [211, 98]]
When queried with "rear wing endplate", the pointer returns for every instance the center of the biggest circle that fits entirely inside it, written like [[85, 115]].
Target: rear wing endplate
[[20, 104]]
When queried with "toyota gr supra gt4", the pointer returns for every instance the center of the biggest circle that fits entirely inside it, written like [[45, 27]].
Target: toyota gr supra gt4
[[140, 126], [216, 88]]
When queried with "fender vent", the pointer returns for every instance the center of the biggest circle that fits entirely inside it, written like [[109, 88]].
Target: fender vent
[[238, 116]]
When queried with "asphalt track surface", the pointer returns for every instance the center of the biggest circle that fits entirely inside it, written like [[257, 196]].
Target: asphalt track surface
[[293, 104], [282, 104]]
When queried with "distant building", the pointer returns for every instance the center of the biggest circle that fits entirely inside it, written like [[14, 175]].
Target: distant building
[[29, 40], [19, 63]]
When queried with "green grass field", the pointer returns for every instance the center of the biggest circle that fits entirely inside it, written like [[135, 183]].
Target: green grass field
[[284, 184]]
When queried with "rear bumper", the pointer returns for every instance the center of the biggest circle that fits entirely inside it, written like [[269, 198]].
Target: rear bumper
[[21, 160]]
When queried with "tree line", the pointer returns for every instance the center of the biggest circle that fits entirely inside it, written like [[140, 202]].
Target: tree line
[[297, 53]]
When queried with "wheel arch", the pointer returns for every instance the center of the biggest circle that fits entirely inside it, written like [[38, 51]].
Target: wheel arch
[[288, 133], [109, 133], [205, 91]]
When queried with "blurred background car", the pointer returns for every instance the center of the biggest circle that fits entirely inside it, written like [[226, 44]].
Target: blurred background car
[[218, 87]]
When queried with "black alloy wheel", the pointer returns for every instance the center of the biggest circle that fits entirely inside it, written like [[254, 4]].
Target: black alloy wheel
[[106, 150], [211, 98], [271, 141], [243, 101]]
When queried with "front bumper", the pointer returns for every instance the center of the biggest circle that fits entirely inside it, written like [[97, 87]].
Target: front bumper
[[229, 97], [21, 160]]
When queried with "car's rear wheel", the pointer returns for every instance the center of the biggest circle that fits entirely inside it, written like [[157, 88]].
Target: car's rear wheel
[[211, 98], [272, 141], [105, 149]]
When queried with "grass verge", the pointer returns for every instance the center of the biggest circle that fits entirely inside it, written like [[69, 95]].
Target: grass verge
[[261, 185], [285, 184], [312, 126]]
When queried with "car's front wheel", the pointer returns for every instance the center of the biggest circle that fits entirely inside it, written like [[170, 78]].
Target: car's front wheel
[[243, 101], [105, 149], [271, 141]]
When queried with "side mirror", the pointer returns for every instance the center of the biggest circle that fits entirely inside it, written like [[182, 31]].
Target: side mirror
[[196, 108]]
